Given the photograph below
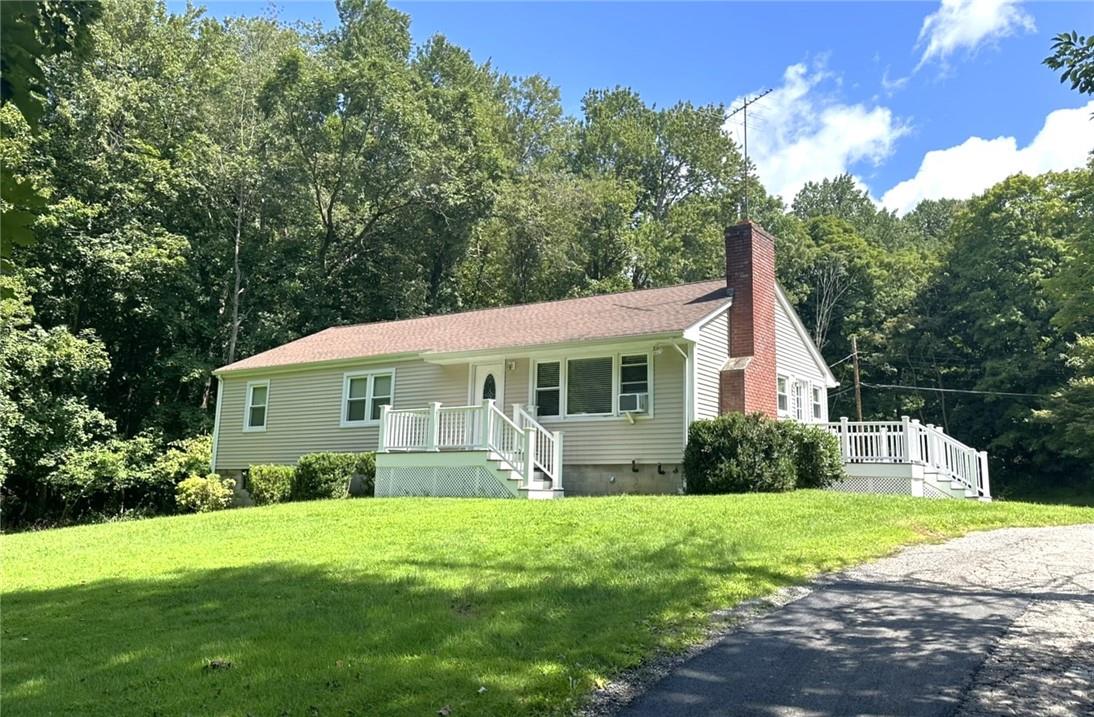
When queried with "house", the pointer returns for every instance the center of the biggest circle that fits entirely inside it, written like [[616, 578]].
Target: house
[[587, 396]]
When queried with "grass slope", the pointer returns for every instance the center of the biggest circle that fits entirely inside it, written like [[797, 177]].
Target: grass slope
[[404, 606]]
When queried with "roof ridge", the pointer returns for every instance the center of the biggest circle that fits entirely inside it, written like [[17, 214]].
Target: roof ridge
[[514, 306]]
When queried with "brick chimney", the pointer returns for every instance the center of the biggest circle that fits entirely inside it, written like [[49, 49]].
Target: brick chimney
[[748, 379]]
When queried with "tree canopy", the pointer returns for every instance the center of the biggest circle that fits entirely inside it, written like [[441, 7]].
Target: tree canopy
[[212, 188]]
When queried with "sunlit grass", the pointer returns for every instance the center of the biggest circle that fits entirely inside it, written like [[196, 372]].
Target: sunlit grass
[[403, 606]]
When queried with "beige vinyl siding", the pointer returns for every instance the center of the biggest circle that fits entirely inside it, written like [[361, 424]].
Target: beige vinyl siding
[[516, 385], [711, 352], [305, 408], [659, 439], [793, 358]]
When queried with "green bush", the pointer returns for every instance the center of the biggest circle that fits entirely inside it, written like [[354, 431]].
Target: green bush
[[817, 459], [112, 478], [270, 484], [739, 453], [184, 458], [202, 494], [332, 475]]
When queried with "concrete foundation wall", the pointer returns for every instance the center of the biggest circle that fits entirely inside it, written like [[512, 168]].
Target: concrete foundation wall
[[620, 479]]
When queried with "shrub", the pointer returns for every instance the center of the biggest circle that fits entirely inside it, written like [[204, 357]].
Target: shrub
[[184, 458], [114, 477], [270, 484], [329, 475], [818, 462], [738, 453], [202, 494]]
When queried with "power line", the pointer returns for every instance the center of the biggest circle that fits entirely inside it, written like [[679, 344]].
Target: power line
[[837, 363], [954, 390]]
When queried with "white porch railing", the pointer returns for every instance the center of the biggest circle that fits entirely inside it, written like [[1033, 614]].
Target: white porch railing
[[520, 442], [909, 441]]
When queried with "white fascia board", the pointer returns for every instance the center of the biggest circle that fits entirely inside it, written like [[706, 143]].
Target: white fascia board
[[536, 350], [331, 363], [691, 333]]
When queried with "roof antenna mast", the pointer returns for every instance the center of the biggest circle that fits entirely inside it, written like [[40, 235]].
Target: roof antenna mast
[[744, 110]]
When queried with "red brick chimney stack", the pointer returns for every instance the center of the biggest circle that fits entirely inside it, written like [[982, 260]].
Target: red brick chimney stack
[[748, 381]]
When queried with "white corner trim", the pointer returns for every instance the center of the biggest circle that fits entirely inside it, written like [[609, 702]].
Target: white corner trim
[[247, 428], [799, 327], [216, 424]]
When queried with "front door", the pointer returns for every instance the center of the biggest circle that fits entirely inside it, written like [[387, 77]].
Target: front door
[[488, 381]]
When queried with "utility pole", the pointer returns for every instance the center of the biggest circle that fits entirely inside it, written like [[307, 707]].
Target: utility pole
[[858, 383], [744, 109]]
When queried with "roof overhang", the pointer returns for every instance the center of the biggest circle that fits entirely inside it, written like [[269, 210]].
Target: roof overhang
[[529, 350], [329, 363]]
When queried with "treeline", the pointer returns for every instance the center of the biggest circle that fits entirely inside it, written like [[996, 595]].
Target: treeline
[[215, 188]]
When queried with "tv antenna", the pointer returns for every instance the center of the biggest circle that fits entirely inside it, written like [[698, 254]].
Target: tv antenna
[[744, 110]]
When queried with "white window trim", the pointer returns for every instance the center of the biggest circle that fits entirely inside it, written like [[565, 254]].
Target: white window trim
[[247, 427], [615, 414], [534, 386], [798, 392], [816, 417], [788, 411], [371, 375]]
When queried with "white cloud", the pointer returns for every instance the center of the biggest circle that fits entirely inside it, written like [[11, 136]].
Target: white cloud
[[969, 168], [799, 133], [966, 24]]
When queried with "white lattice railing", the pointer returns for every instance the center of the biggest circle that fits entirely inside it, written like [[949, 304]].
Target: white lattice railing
[[519, 442], [909, 441]]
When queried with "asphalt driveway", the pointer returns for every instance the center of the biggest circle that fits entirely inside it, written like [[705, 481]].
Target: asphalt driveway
[[998, 623]]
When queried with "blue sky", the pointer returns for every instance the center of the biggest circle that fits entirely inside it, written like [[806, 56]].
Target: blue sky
[[916, 99]]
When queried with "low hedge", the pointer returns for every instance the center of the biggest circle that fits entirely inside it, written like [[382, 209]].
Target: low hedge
[[750, 453], [203, 494], [270, 484], [738, 453], [817, 458], [333, 475]]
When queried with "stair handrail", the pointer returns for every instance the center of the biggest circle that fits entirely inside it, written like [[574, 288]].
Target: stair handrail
[[505, 438], [547, 455]]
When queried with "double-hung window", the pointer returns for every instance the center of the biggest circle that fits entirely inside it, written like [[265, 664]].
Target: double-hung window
[[818, 408], [634, 383], [548, 388], [593, 386], [799, 400], [783, 391], [258, 400], [364, 394]]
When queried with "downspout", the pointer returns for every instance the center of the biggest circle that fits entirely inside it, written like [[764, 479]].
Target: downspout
[[689, 383], [216, 425]]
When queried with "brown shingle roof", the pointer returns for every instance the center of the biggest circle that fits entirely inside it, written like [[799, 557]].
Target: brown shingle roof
[[632, 313]]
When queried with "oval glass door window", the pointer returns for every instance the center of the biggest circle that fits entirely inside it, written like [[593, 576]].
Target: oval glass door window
[[489, 387]]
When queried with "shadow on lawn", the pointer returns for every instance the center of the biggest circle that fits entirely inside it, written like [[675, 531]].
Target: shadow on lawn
[[309, 641]]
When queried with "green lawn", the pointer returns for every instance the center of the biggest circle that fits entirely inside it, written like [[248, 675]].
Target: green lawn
[[404, 606]]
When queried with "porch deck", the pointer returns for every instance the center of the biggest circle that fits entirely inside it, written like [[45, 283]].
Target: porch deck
[[911, 458], [464, 451], [479, 450]]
